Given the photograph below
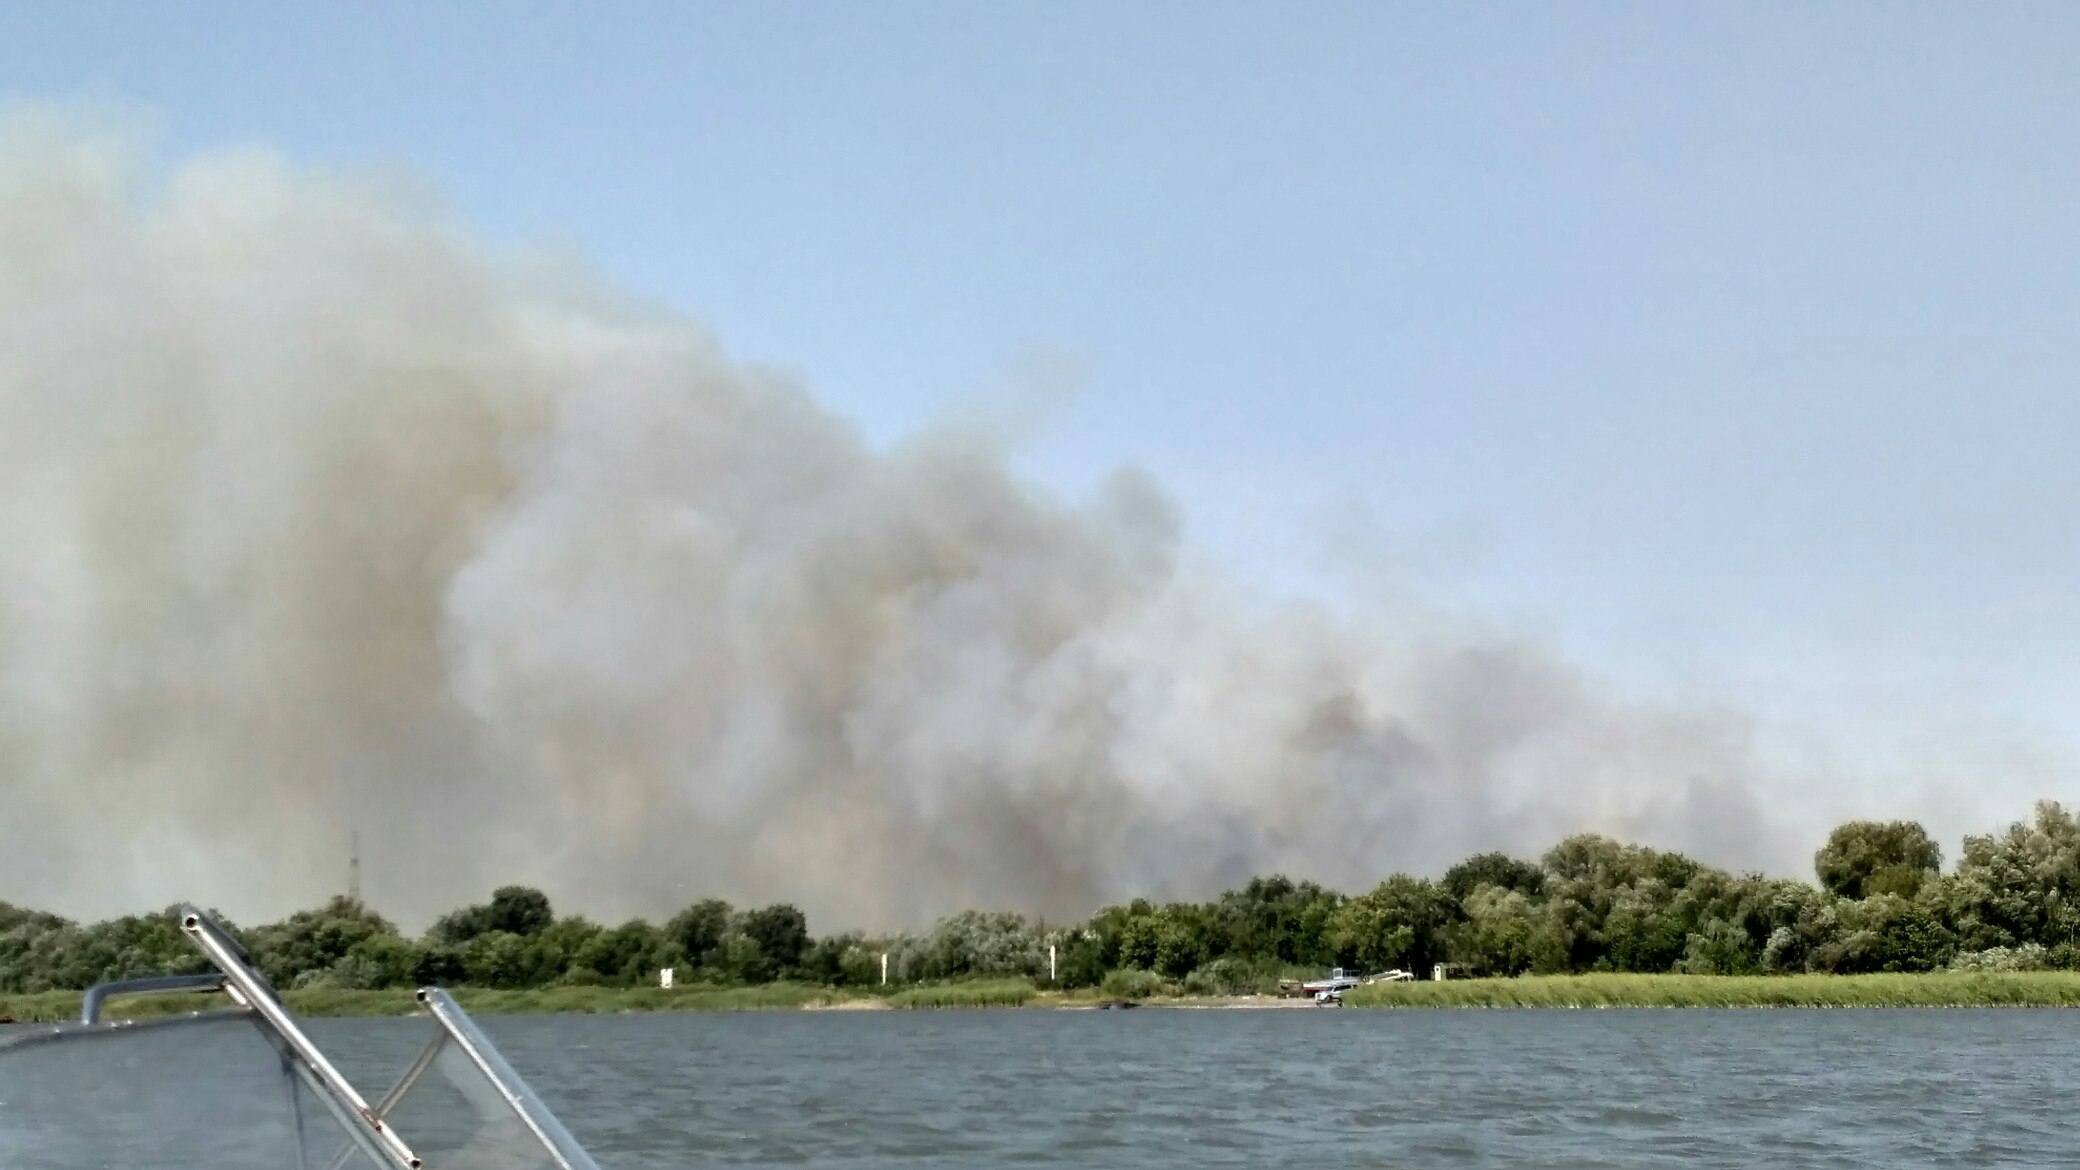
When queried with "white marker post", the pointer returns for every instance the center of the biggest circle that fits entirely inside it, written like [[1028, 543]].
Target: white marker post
[[884, 968], [1050, 962], [664, 978]]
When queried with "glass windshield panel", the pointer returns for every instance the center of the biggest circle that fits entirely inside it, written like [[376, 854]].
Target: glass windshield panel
[[192, 1094], [463, 1031], [457, 1119]]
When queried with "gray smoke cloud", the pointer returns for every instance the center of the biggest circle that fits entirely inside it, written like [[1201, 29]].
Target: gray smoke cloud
[[313, 516]]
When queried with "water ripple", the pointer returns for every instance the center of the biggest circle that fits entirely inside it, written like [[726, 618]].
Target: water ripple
[[1313, 1090]]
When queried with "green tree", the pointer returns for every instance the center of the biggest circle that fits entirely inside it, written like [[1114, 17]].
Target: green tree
[[521, 910], [2019, 886], [1273, 918], [1719, 947], [497, 958], [1799, 920], [1862, 858], [14, 917], [1645, 929], [42, 952], [380, 960], [1504, 932], [308, 943], [1584, 875], [699, 928], [843, 960], [1493, 869], [627, 955], [1104, 933], [1139, 940], [553, 952], [974, 942], [1629, 908], [1883, 932], [739, 958], [1180, 945], [1399, 923], [781, 934], [438, 965]]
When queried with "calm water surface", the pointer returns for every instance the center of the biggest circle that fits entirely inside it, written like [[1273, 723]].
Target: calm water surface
[[1294, 1088], [1313, 1088]]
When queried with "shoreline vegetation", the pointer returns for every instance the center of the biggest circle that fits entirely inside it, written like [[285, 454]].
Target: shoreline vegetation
[[1593, 922], [1944, 989]]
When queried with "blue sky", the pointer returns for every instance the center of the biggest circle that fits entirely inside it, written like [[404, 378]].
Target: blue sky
[[1730, 348]]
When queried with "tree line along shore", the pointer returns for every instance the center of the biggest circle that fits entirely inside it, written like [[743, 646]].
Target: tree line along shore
[[1594, 922], [1940, 989]]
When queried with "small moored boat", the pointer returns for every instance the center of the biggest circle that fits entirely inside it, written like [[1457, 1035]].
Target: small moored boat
[[1329, 992]]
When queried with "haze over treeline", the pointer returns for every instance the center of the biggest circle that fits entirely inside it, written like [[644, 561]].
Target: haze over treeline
[[314, 516], [1884, 903]]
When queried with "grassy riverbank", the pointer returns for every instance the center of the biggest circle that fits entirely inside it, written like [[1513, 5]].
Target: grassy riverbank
[[1942, 989], [1937, 989], [64, 1005]]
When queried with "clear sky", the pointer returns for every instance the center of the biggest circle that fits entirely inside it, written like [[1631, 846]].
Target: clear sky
[[1731, 347]]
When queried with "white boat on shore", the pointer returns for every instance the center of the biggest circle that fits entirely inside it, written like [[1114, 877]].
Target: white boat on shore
[[1329, 992]]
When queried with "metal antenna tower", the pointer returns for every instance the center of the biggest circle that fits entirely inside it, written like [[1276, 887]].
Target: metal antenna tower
[[354, 866]]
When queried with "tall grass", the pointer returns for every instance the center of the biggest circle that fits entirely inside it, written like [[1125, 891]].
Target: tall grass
[[57, 1006], [1939, 989], [981, 993], [596, 1000], [43, 1007]]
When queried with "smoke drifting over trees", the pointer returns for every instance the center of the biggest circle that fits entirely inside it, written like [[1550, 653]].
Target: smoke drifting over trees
[[314, 516], [1590, 904]]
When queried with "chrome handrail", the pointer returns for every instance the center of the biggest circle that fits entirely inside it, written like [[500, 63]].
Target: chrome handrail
[[90, 1006], [248, 987]]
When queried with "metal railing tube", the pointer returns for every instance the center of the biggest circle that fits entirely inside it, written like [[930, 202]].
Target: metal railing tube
[[246, 982]]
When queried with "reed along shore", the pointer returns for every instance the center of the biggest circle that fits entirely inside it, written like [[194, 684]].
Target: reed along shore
[[59, 1006], [1937, 989], [1960, 989]]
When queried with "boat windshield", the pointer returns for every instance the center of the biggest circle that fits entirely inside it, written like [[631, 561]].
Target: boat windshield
[[245, 1089], [462, 1107], [187, 1093]]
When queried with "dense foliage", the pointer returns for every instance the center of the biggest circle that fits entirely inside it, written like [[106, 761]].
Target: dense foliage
[[1591, 904]]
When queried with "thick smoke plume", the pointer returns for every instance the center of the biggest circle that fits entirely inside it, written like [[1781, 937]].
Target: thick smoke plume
[[313, 517]]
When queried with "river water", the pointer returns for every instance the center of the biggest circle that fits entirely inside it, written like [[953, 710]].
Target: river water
[[1315, 1089]]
